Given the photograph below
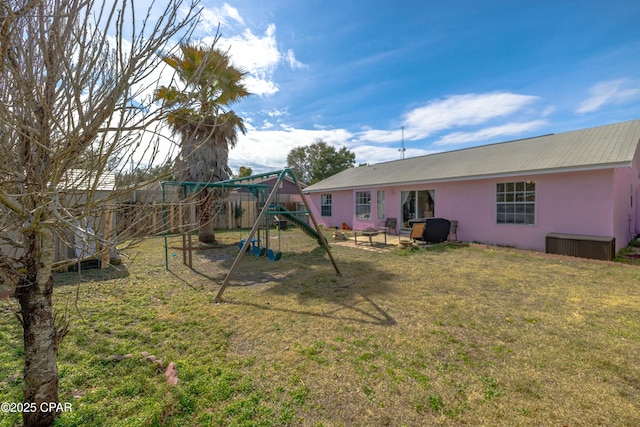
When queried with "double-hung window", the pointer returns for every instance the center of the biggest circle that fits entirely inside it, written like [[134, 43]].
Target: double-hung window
[[516, 203], [363, 204], [380, 209], [325, 205]]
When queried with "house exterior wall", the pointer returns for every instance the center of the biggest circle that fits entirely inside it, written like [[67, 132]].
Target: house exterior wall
[[342, 209], [568, 202], [626, 190], [573, 203]]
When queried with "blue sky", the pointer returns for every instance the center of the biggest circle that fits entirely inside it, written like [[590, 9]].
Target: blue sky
[[454, 74]]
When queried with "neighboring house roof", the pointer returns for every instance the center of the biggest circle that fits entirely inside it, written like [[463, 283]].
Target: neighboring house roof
[[84, 180], [272, 179], [288, 187], [595, 148]]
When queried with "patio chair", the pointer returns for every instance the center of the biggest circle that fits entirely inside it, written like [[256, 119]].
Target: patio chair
[[453, 230], [389, 225], [417, 231]]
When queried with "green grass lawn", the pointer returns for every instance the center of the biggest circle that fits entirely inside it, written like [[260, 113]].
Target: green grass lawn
[[455, 335]]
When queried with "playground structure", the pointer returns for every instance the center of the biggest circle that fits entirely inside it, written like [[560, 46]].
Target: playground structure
[[268, 209]]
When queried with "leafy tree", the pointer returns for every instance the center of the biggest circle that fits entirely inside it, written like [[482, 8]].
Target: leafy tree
[[200, 116], [70, 86], [319, 161], [245, 171]]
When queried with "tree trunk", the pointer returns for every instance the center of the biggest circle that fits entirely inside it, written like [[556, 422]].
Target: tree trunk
[[40, 383], [41, 336], [205, 217]]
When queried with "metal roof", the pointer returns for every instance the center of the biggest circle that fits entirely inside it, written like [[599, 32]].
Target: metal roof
[[84, 180], [595, 148]]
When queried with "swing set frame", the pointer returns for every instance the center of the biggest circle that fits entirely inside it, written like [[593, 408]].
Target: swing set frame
[[259, 190]]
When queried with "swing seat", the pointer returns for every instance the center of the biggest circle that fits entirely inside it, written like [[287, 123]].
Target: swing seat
[[241, 244], [274, 256], [258, 251]]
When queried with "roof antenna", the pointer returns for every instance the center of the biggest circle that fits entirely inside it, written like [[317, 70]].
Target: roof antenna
[[402, 149]]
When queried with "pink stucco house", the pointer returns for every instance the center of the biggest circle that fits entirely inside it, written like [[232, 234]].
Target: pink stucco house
[[515, 193]]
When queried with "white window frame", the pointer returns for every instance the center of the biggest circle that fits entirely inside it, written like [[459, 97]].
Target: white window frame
[[362, 204], [326, 204], [516, 203], [380, 205]]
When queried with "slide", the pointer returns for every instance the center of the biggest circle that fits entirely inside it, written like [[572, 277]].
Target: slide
[[306, 228]]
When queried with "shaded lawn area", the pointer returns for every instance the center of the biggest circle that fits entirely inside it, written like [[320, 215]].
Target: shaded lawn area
[[459, 335]]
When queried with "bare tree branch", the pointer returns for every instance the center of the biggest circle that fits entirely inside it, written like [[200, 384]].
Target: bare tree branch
[[77, 79]]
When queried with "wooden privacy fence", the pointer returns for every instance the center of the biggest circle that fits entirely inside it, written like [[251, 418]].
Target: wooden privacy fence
[[148, 219], [156, 218], [144, 219]]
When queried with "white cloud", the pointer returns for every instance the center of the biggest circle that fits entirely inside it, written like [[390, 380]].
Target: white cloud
[[293, 62], [258, 54], [232, 13], [276, 113], [210, 18], [380, 136], [261, 87], [252, 52], [452, 111], [462, 110], [509, 129], [377, 154], [548, 111], [267, 150], [609, 92]]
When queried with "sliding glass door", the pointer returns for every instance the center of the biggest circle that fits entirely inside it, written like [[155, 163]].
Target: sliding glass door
[[416, 204]]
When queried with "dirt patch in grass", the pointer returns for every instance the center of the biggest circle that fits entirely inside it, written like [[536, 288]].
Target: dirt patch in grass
[[449, 335]]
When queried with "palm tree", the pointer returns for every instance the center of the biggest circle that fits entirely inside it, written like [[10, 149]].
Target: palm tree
[[199, 114]]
